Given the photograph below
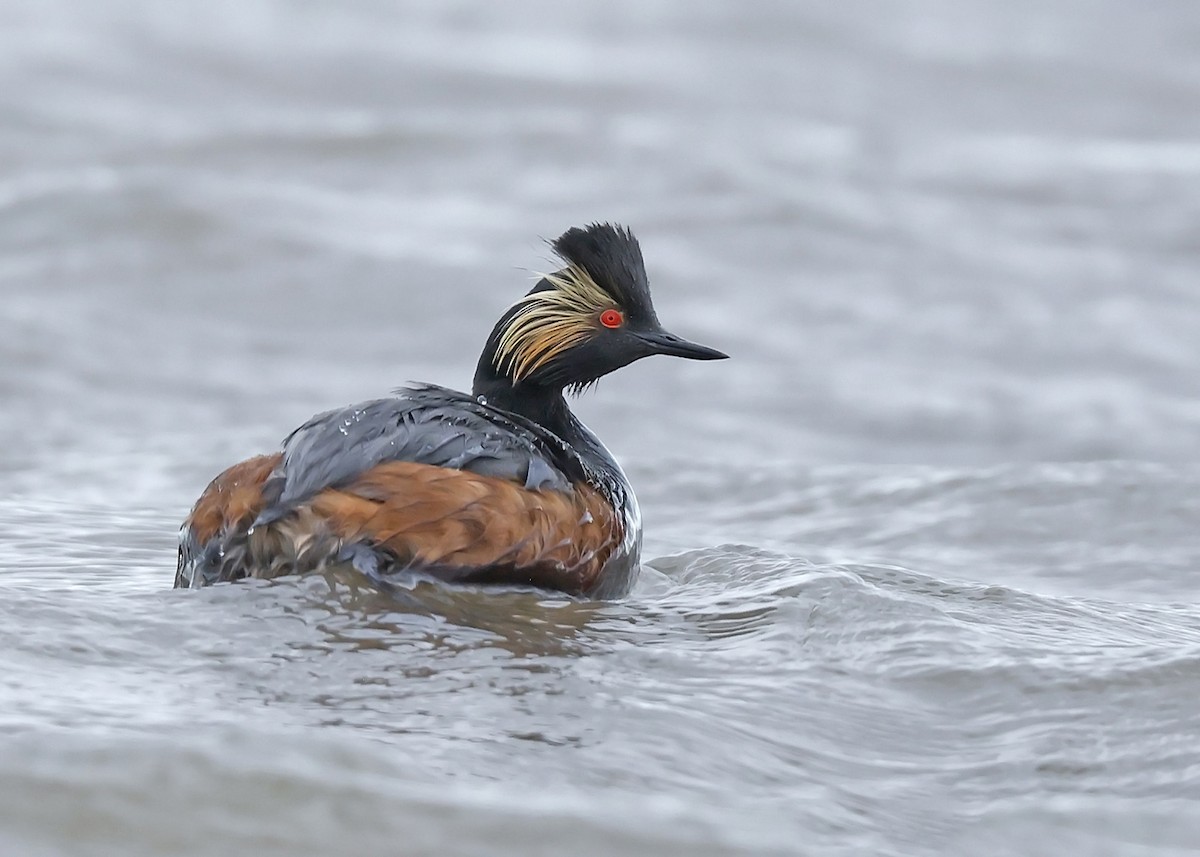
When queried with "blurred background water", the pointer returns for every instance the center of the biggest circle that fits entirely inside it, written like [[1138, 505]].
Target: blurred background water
[[921, 556]]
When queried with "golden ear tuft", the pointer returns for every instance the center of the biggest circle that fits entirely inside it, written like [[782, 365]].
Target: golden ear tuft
[[550, 322]]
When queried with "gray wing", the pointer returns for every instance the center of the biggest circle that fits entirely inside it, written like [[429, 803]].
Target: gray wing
[[428, 425]]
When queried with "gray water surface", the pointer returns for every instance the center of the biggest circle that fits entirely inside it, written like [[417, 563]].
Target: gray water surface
[[921, 557]]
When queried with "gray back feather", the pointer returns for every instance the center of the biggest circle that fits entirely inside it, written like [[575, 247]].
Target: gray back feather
[[423, 424]]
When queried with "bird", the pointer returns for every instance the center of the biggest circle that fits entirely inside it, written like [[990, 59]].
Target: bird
[[501, 486]]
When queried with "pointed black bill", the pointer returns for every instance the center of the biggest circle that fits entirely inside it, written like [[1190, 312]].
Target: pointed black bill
[[661, 342]]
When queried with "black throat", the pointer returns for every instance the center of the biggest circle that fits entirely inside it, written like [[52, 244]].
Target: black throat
[[545, 405], [539, 403]]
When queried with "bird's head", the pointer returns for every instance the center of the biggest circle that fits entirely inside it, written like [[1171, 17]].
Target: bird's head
[[580, 323]]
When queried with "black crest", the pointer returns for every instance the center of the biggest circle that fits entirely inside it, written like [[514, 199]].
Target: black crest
[[612, 257]]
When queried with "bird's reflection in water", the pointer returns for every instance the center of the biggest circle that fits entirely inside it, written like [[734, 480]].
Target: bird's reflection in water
[[431, 663], [353, 613]]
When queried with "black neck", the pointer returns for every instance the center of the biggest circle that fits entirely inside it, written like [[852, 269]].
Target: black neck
[[544, 404], [539, 403]]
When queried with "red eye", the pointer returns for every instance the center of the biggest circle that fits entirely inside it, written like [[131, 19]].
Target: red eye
[[612, 318]]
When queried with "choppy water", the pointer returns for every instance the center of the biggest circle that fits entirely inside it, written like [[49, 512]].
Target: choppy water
[[922, 556]]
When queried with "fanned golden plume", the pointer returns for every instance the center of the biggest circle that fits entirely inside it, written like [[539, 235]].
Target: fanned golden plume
[[550, 322]]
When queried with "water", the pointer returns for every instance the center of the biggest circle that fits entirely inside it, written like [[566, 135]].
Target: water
[[920, 556]]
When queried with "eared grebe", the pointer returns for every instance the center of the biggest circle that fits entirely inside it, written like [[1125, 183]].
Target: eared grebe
[[502, 486]]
